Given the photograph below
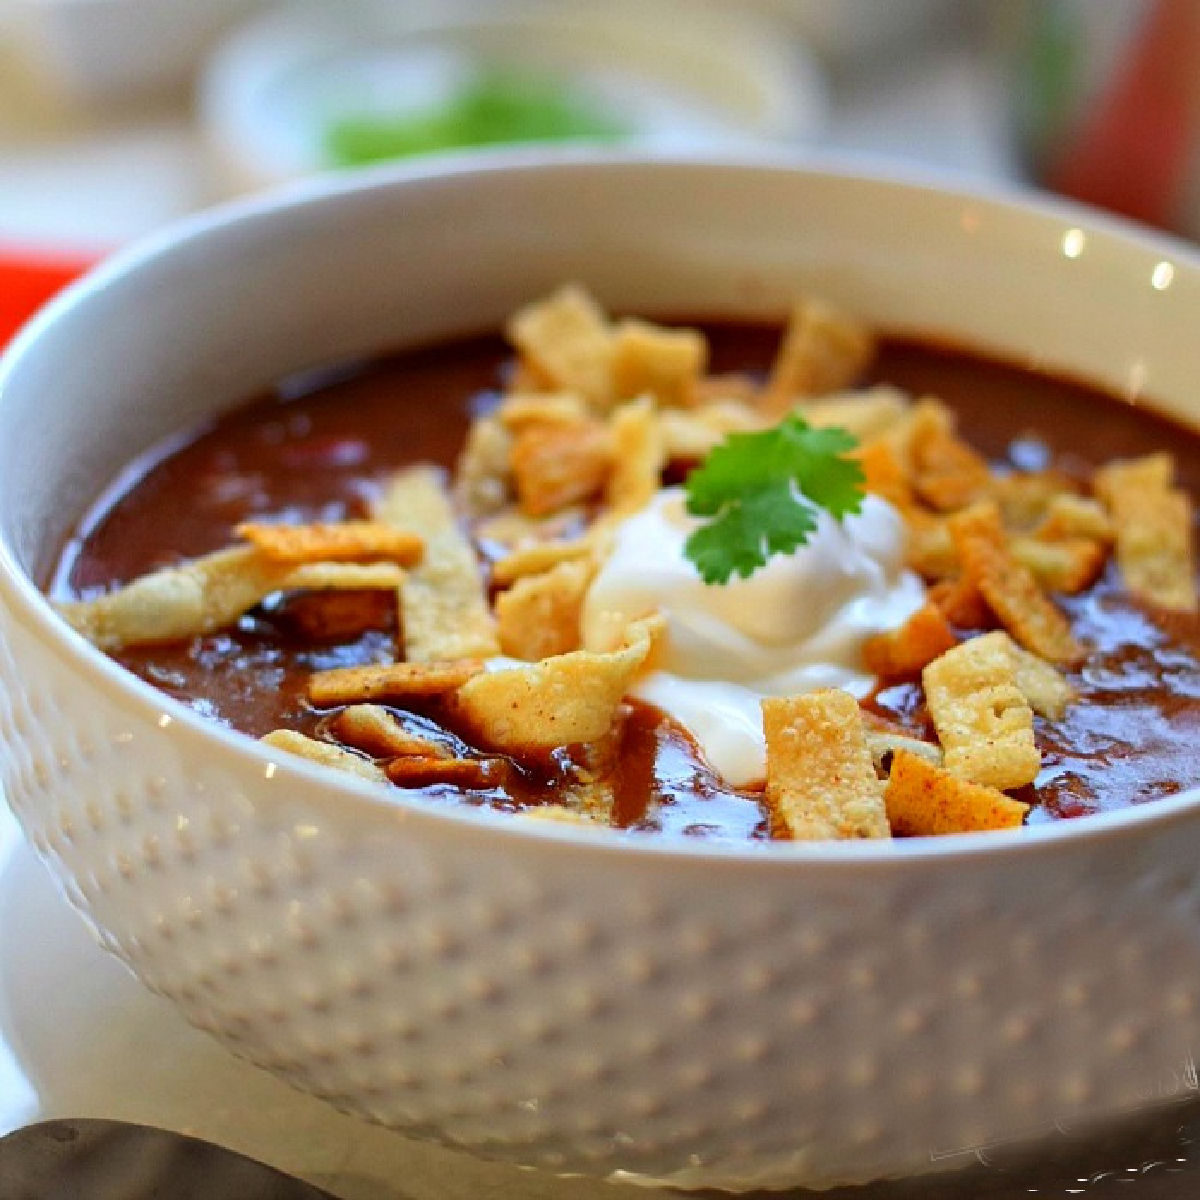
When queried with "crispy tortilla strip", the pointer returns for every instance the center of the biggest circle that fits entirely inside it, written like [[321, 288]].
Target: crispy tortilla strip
[[444, 614], [381, 734], [922, 798], [336, 616], [885, 474], [390, 681], [347, 577], [557, 465], [885, 743], [1042, 685], [539, 616], [868, 413], [652, 360], [901, 652], [322, 752], [926, 419], [567, 341], [733, 388], [525, 378], [557, 702], [205, 595], [961, 603], [1066, 565], [823, 350], [520, 410], [930, 550], [538, 558], [821, 782], [512, 530], [347, 541], [1067, 516], [1153, 524], [638, 458], [1009, 586], [689, 435], [417, 772], [482, 481], [947, 473], [983, 721], [1026, 498], [1150, 473], [1154, 549]]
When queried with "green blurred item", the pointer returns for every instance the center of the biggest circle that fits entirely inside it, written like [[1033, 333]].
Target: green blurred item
[[491, 109]]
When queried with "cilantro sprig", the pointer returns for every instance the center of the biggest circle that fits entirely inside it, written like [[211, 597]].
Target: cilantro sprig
[[763, 491]]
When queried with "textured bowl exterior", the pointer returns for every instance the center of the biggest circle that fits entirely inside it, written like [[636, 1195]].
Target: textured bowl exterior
[[581, 1002]]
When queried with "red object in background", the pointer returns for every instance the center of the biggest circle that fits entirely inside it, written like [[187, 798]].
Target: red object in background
[[1134, 151], [27, 281]]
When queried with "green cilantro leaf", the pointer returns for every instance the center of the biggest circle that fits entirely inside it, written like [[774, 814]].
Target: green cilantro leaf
[[762, 491]]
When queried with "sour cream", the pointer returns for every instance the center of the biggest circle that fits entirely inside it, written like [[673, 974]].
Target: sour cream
[[795, 625]]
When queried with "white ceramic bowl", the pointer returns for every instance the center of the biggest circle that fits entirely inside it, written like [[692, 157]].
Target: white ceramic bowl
[[708, 1015]]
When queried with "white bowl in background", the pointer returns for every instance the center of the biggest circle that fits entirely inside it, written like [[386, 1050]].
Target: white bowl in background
[[598, 1002], [675, 73]]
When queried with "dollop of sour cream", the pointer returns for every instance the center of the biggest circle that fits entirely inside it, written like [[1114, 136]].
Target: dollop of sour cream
[[797, 624]]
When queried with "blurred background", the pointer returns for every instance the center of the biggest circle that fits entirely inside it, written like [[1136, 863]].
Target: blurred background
[[118, 115]]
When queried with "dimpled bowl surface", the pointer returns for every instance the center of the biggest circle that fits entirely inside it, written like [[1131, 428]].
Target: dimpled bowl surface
[[586, 1002]]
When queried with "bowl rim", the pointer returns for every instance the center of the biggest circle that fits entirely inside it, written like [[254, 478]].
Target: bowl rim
[[19, 593]]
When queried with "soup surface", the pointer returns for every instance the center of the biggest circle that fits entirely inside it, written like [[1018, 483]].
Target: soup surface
[[321, 448]]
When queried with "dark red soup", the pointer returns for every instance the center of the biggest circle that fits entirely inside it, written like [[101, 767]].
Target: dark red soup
[[319, 449]]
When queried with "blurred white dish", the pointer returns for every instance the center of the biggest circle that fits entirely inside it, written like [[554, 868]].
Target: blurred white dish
[[675, 73], [588, 1001]]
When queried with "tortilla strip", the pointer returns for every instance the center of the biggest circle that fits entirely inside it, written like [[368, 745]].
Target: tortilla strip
[[653, 360], [637, 458], [930, 551], [390, 681], [884, 743], [520, 410], [417, 771], [868, 413], [948, 474], [688, 435], [1042, 685], [821, 781], [897, 653], [379, 733], [556, 465], [1027, 498], [983, 720], [559, 701], [922, 798], [346, 541], [444, 614], [1153, 525], [539, 616], [1009, 587], [567, 340], [823, 350], [206, 594], [482, 475], [961, 602], [343, 577], [536, 559], [1067, 564], [323, 753], [885, 474], [1069, 516]]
